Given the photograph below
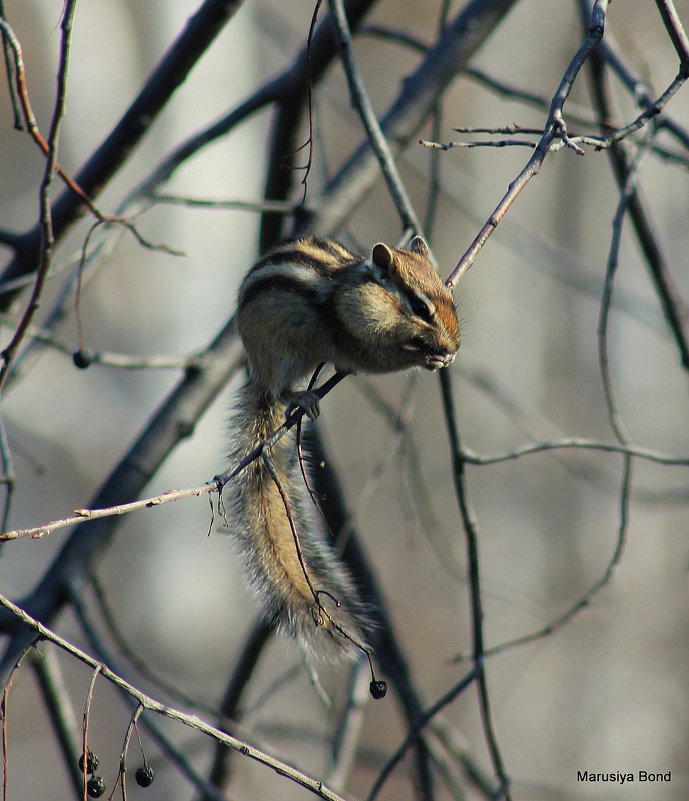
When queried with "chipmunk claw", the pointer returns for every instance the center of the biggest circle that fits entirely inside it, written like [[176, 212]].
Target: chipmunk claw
[[306, 400]]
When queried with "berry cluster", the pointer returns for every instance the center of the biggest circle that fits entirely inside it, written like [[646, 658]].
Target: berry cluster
[[95, 786]]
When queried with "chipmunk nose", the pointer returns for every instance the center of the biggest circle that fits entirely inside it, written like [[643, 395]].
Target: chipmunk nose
[[436, 361]]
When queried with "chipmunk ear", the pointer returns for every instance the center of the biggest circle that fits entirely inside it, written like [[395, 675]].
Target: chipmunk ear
[[418, 245], [381, 257]]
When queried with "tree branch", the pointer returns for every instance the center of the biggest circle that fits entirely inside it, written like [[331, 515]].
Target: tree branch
[[554, 126], [290, 110], [170, 73], [673, 26], [362, 103], [147, 702], [172, 422], [45, 222], [673, 305], [348, 189]]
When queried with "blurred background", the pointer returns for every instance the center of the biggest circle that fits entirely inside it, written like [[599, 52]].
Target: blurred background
[[605, 693]]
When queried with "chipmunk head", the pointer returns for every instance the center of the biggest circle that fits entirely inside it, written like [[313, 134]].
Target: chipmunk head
[[401, 306]]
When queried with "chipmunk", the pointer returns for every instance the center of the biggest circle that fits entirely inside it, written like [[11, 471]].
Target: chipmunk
[[307, 302]]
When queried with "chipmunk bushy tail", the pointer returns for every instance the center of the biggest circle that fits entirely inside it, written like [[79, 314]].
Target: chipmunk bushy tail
[[304, 588]]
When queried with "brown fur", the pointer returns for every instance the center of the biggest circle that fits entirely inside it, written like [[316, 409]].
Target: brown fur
[[310, 301]]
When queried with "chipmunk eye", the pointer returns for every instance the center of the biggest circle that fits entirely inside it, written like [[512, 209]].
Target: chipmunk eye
[[420, 307]]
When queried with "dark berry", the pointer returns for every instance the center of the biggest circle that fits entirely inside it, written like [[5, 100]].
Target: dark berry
[[378, 689], [144, 776], [92, 761], [82, 358], [95, 786]]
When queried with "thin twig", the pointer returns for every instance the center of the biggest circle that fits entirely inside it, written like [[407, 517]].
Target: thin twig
[[572, 141], [3, 714], [565, 443], [309, 99], [11, 70], [83, 515], [474, 581], [673, 26], [124, 361], [8, 477], [131, 728], [85, 726], [637, 87], [628, 190], [272, 206], [478, 143], [51, 148], [296, 415], [649, 113]]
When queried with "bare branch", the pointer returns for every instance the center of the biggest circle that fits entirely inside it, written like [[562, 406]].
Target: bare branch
[[45, 220], [164, 742], [483, 143], [554, 126], [272, 206], [11, 70], [637, 87], [421, 90], [173, 421], [349, 727], [474, 581], [277, 435], [416, 729], [673, 25], [171, 71], [82, 515], [62, 716], [567, 443], [148, 703], [362, 103], [125, 361], [674, 307], [572, 141]]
